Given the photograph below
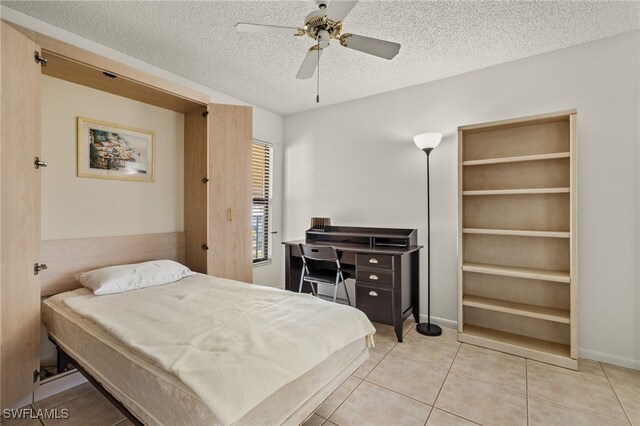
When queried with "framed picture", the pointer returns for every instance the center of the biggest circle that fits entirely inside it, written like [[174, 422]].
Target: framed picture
[[112, 151]]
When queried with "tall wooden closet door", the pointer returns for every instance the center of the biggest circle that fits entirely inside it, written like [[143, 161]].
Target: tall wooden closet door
[[196, 204], [230, 139], [19, 215]]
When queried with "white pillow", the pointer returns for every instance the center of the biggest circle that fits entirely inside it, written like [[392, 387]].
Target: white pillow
[[116, 279]]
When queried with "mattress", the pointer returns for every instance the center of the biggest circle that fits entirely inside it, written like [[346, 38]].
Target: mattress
[[158, 397]]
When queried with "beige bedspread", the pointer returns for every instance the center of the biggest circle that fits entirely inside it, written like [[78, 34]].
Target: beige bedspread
[[233, 344]]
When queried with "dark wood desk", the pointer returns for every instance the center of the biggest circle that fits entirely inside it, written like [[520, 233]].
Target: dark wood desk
[[384, 262]]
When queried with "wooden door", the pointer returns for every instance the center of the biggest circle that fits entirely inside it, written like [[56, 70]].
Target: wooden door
[[196, 175], [230, 202], [19, 216]]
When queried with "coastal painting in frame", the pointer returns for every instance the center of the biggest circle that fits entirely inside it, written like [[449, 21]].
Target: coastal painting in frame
[[112, 151]]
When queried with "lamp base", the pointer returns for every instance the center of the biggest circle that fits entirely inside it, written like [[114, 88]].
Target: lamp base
[[428, 329]]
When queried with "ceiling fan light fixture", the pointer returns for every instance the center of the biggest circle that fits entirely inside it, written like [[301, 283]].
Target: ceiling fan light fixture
[[323, 38]]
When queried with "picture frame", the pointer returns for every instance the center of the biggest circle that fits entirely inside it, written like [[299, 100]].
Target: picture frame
[[114, 151]]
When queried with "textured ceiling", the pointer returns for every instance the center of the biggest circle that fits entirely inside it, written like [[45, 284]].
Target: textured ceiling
[[196, 40]]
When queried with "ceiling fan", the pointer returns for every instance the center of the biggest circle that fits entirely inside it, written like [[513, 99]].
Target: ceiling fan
[[322, 25]]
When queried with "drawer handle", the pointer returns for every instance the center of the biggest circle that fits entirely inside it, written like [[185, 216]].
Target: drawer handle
[[373, 293], [373, 277], [373, 260]]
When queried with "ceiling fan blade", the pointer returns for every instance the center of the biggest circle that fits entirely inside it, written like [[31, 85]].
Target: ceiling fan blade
[[372, 46], [339, 9], [309, 64], [265, 29]]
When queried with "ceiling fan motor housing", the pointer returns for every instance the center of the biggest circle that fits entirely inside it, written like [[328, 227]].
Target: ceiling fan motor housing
[[320, 28], [315, 19]]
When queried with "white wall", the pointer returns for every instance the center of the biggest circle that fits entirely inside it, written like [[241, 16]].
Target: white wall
[[78, 207], [356, 163], [267, 126]]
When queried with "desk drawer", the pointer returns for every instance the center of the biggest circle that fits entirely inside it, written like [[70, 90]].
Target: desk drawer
[[374, 276], [369, 260], [376, 303]]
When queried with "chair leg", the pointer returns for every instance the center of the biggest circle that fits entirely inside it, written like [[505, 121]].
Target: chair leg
[[344, 283], [301, 282], [335, 293]]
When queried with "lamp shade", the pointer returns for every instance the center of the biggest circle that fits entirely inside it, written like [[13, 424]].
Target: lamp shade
[[427, 140]]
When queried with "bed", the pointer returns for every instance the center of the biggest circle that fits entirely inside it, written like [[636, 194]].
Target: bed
[[207, 350]]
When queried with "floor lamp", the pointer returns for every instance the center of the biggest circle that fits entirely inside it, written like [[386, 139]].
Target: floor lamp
[[427, 142]]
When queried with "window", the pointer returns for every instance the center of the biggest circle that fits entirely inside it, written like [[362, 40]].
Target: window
[[262, 192]]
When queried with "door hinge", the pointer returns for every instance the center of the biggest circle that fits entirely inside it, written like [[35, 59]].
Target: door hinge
[[205, 180], [41, 374], [204, 247], [37, 163], [37, 268], [205, 113], [39, 59]]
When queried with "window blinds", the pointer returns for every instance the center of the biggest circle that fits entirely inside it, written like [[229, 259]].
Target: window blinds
[[261, 166]]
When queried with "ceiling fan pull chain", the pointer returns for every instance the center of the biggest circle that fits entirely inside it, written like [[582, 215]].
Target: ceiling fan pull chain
[[318, 82]]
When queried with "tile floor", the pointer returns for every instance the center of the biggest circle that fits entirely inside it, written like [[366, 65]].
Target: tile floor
[[436, 381]]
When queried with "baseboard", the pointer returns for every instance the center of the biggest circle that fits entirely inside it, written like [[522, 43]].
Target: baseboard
[[609, 358], [582, 352], [442, 322], [58, 383], [22, 403]]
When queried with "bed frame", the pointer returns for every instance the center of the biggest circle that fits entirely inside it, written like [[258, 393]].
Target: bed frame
[[62, 365]]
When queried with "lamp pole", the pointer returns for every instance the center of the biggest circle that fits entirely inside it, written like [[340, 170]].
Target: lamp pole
[[428, 329]]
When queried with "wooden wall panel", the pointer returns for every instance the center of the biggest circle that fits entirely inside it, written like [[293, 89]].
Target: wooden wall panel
[[65, 258], [20, 213], [230, 199]]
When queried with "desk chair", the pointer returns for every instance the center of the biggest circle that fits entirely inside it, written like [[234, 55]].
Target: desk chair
[[312, 274]]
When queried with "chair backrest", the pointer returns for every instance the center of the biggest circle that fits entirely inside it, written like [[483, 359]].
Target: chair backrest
[[320, 253]]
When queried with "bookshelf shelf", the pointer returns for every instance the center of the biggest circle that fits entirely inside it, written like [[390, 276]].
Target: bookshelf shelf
[[517, 232], [538, 157]]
